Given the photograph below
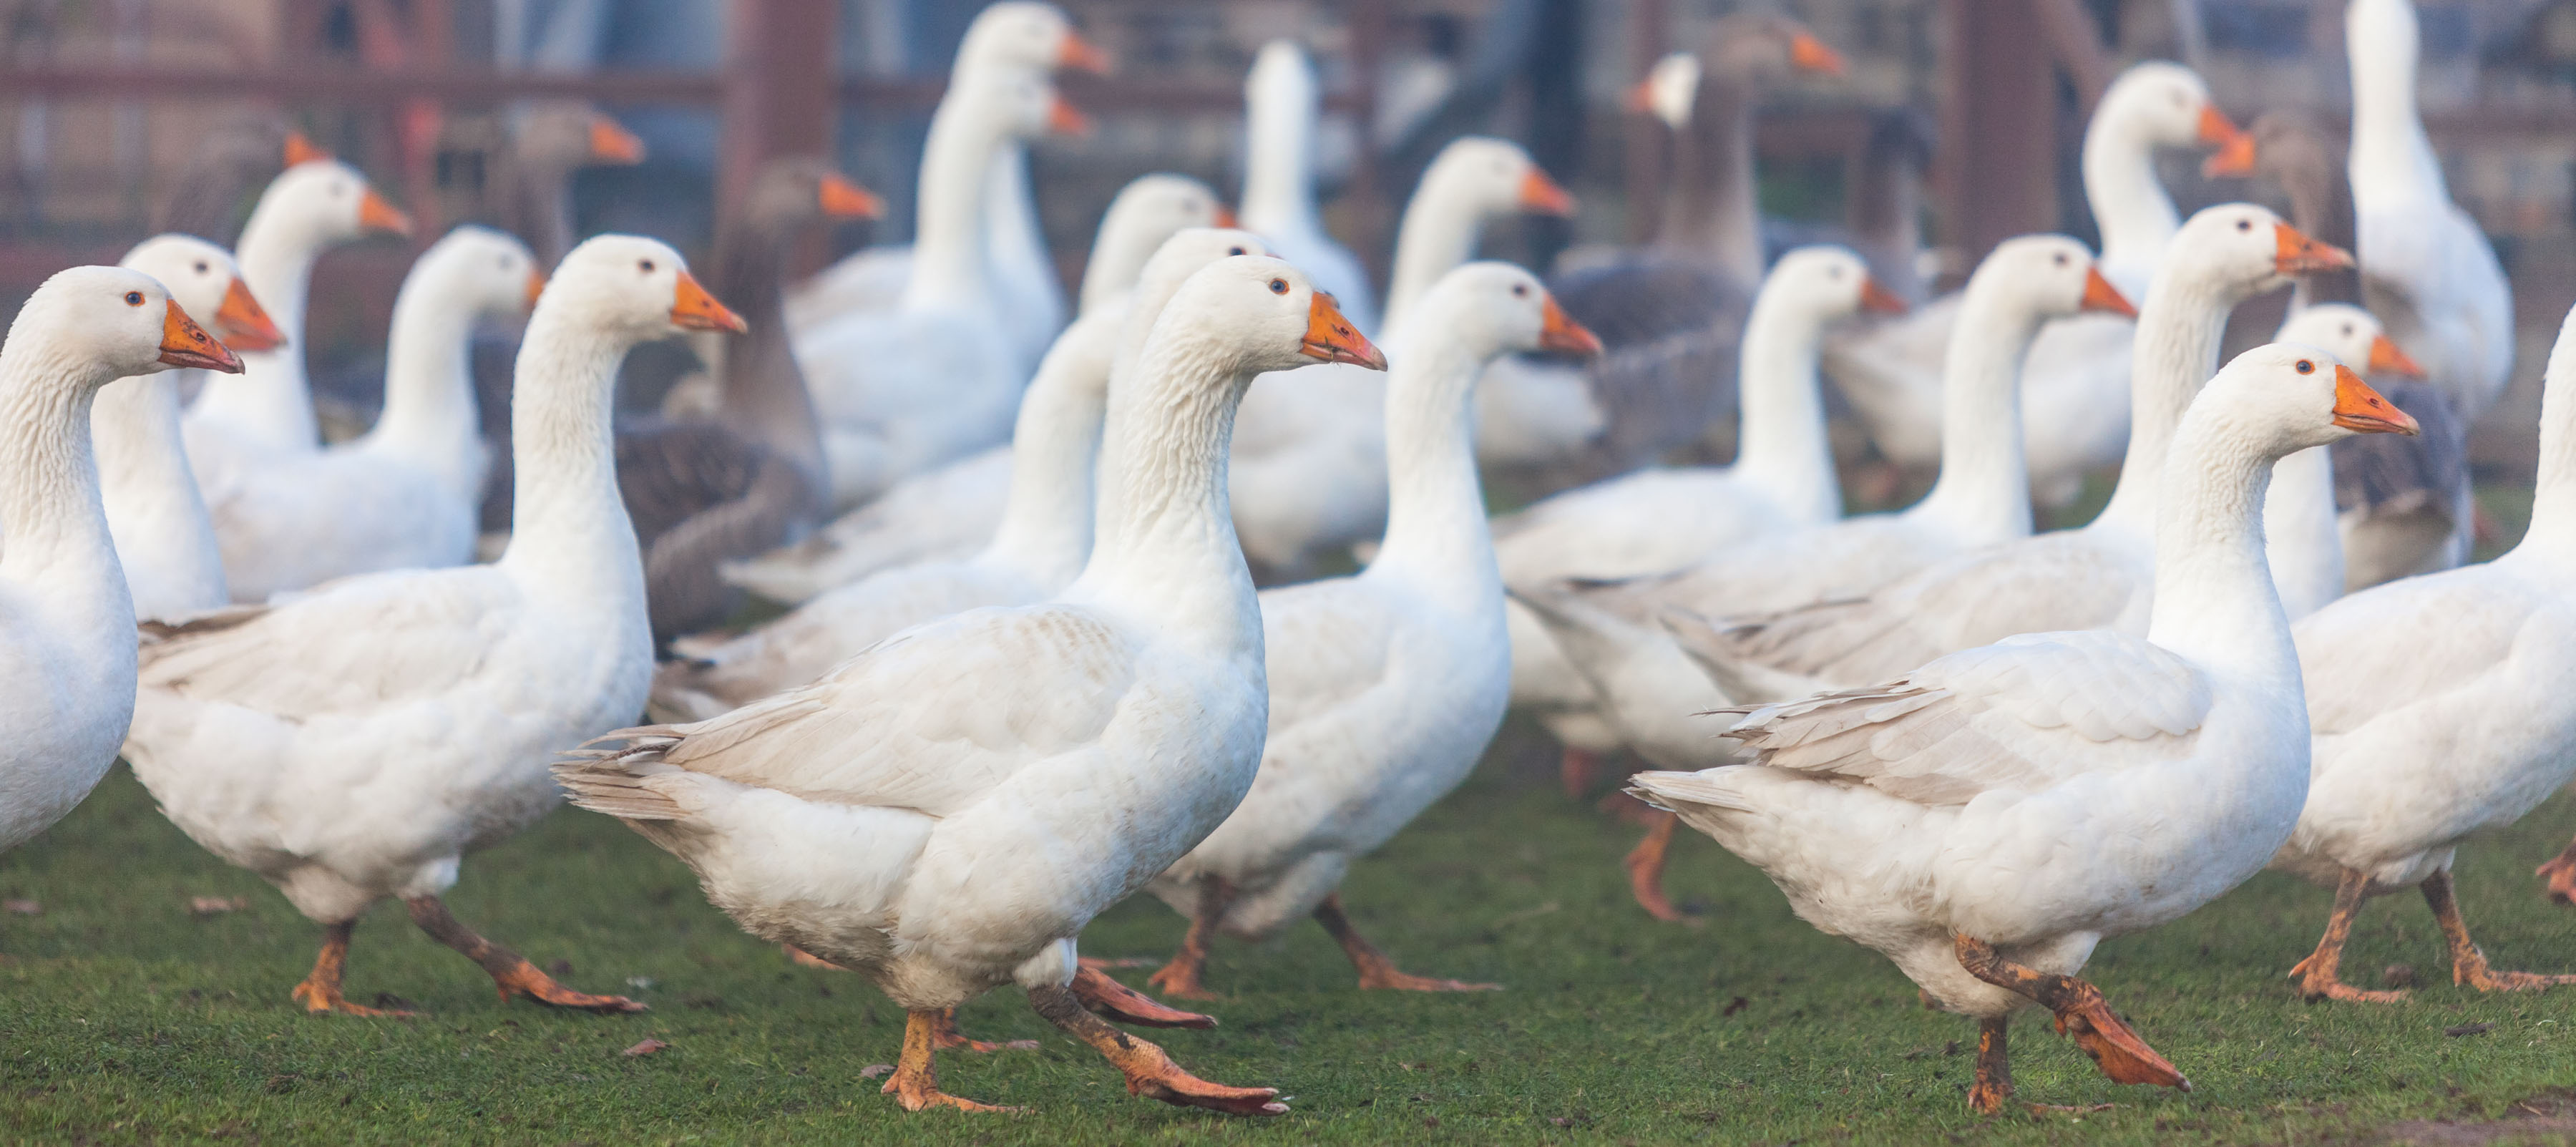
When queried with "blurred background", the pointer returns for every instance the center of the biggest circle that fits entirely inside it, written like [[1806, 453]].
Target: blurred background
[[105, 102]]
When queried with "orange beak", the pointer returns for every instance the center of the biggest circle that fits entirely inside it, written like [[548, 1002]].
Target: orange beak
[[1332, 338], [1640, 97], [2296, 254], [843, 199], [184, 343], [693, 309], [1809, 54], [374, 214], [1874, 297], [1560, 333], [2386, 358], [1540, 195], [2358, 407], [300, 148], [2100, 295], [1225, 217], [1065, 119], [2221, 134], [536, 287], [2234, 159], [1081, 55], [610, 143], [245, 323]]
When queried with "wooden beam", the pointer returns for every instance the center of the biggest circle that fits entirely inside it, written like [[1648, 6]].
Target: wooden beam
[[1998, 124], [778, 96]]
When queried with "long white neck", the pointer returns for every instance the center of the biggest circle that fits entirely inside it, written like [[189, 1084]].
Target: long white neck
[[2176, 350], [2552, 536], [164, 538], [2303, 538], [2214, 600], [1784, 449], [270, 397], [429, 418], [1983, 495], [1126, 242], [2129, 204], [1055, 447], [1165, 545], [570, 533], [2392, 158], [1435, 522], [948, 258], [1279, 157], [1015, 240], [58, 555], [1438, 233]]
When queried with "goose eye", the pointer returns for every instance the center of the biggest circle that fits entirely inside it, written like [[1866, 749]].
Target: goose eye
[[2306, 367], [201, 266], [1235, 251], [133, 298], [2061, 258], [2347, 330], [2244, 224], [1520, 290], [1278, 286], [644, 265]]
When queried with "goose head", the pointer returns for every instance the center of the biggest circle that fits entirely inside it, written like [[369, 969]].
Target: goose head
[[1188, 250], [1479, 176], [2048, 276], [1258, 314], [1669, 89], [1495, 308], [634, 288], [1163, 204], [203, 279], [1281, 77], [1022, 105], [563, 135], [2158, 104], [1028, 36], [325, 201], [795, 192], [1828, 283], [482, 271], [2287, 146], [2352, 335], [2247, 248], [2291, 396], [2382, 39], [1760, 49], [115, 322]]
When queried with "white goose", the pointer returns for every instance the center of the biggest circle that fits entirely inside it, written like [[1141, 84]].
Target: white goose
[[1044, 540], [1114, 728], [1281, 104], [936, 376], [2075, 419], [68, 668], [1986, 819], [2099, 576], [1309, 469], [354, 742], [164, 540], [950, 512], [1386, 686], [311, 207], [2443, 705], [2432, 276], [405, 494]]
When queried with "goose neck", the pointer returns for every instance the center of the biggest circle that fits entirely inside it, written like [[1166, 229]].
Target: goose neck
[[948, 256], [429, 416], [2136, 217], [1783, 446], [1055, 447], [1015, 239], [1435, 524], [59, 550], [1983, 493], [1715, 211], [765, 399], [2303, 537], [2553, 500], [2176, 350], [1437, 235], [2215, 603], [2390, 152], [270, 398], [570, 529], [1278, 162]]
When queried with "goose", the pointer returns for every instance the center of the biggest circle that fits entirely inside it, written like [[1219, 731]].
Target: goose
[[2302, 534], [1042, 545], [2074, 421], [2441, 707], [948, 513], [1282, 104], [312, 206], [165, 541], [2433, 276], [241, 154], [1648, 688], [69, 619], [404, 495], [2098, 576], [1309, 468], [353, 742], [1986, 819], [1385, 686], [934, 377], [1662, 518], [1016, 38], [548, 143], [749, 474], [1118, 724]]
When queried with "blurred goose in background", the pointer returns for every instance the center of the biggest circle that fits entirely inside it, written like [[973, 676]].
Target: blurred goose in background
[[1045, 537], [948, 513], [1121, 722], [1988, 818], [69, 657], [2074, 418], [1281, 109], [225, 167], [1386, 686], [355, 742], [2441, 708], [548, 144]]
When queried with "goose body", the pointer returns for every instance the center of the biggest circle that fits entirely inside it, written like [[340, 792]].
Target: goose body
[[1129, 723], [354, 742], [68, 658], [1986, 819]]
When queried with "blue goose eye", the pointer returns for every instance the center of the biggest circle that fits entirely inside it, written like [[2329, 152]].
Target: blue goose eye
[[1278, 286], [2306, 367], [133, 298]]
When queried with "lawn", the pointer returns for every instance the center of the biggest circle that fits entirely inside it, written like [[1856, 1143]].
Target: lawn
[[126, 1017]]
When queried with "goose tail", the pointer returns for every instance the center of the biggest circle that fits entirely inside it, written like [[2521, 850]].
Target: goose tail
[[618, 780]]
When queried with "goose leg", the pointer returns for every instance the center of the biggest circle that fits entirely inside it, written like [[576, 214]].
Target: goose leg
[[944, 1036], [510, 972], [915, 1082], [2081, 1013], [1108, 997], [1645, 865], [1576, 770], [2560, 873], [320, 991], [2320, 975], [1180, 978], [1376, 970], [1994, 1087], [1149, 1072], [2468, 964]]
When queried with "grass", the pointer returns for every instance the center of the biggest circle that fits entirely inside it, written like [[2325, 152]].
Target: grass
[[125, 1018]]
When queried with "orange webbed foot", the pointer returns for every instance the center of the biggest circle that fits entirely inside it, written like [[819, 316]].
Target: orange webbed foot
[[526, 980], [1168, 1083], [2115, 1048], [319, 1000], [2313, 986]]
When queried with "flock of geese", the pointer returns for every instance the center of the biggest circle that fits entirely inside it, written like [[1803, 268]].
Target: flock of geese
[[1026, 672]]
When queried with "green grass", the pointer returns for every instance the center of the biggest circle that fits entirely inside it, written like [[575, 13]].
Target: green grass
[[125, 1019]]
